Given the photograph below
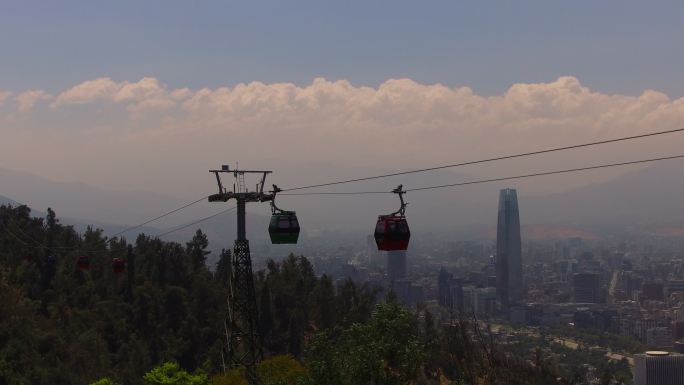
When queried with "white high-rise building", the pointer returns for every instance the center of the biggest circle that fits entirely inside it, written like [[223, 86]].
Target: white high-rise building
[[659, 368]]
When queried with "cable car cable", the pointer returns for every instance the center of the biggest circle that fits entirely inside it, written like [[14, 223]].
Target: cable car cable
[[159, 217], [576, 146], [196, 222], [496, 179], [21, 240], [23, 233], [549, 173], [338, 193]]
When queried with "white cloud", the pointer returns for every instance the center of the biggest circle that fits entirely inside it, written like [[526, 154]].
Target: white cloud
[[28, 99], [145, 89], [399, 105], [138, 110], [88, 92], [402, 105], [4, 95], [144, 95], [335, 121]]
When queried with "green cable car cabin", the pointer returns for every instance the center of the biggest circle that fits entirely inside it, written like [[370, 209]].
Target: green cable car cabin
[[284, 227]]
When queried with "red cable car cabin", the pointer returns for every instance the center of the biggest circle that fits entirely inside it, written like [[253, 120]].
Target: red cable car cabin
[[392, 233], [83, 262], [118, 265]]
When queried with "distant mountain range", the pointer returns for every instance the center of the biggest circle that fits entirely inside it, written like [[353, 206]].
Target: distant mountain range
[[6, 201], [651, 195], [81, 224], [648, 200], [79, 200], [643, 202]]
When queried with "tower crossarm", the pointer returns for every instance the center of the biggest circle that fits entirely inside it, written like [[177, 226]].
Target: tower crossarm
[[247, 197], [239, 191]]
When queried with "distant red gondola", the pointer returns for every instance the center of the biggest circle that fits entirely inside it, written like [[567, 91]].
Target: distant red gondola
[[392, 231], [83, 262], [118, 265]]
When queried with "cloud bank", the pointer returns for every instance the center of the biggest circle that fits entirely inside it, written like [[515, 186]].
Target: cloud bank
[[397, 105], [399, 124]]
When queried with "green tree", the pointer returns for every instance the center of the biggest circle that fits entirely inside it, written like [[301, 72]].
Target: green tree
[[323, 300], [384, 351], [276, 370], [104, 381], [265, 314], [295, 333], [281, 370], [223, 267], [197, 249], [429, 340], [170, 373], [234, 376], [354, 304]]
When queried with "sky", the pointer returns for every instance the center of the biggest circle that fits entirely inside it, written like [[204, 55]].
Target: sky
[[615, 46], [148, 95]]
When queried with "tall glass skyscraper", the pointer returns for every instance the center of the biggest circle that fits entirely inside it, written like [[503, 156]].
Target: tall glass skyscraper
[[396, 265], [509, 283]]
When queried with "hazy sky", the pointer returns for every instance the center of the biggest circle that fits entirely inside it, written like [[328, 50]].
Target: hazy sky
[[150, 94], [622, 46]]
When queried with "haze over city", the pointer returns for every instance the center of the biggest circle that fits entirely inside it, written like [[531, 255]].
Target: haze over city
[[166, 94]]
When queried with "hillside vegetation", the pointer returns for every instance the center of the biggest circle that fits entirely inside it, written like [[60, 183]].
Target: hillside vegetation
[[162, 318]]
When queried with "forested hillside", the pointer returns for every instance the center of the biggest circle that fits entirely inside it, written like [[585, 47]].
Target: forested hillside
[[70, 313]]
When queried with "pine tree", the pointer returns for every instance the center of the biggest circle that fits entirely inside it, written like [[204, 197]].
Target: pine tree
[[323, 299], [265, 315], [223, 267], [197, 249], [130, 273]]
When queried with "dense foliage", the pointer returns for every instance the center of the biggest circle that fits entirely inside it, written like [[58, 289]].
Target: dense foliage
[[63, 325], [161, 321]]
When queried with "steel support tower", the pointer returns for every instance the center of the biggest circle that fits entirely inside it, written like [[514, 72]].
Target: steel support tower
[[243, 344]]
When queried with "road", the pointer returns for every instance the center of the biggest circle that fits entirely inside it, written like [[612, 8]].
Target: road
[[567, 342], [572, 344]]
